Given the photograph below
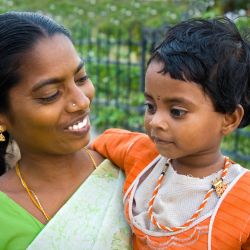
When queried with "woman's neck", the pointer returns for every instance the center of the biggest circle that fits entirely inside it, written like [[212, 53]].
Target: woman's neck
[[54, 168]]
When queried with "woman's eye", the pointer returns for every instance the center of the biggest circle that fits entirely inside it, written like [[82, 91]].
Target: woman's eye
[[150, 108], [50, 98], [82, 80], [178, 112]]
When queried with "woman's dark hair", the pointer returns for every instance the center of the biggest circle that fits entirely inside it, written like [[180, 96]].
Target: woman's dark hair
[[19, 32], [213, 54]]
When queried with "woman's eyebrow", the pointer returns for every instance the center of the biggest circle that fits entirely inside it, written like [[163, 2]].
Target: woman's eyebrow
[[54, 80], [45, 82], [80, 66]]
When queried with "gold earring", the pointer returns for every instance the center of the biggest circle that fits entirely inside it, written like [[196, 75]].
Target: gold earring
[[2, 137]]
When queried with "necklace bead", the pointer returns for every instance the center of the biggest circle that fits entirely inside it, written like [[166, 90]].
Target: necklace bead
[[218, 186]]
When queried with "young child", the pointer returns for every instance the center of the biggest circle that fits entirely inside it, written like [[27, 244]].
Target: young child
[[197, 90]]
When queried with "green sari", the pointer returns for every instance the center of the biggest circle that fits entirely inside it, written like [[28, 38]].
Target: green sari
[[91, 219], [18, 228]]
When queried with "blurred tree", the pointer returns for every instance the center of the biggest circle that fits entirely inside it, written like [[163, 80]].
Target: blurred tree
[[124, 14], [233, 5], [113, 13]]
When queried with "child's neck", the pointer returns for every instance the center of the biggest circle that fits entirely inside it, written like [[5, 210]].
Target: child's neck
[[198, 166]]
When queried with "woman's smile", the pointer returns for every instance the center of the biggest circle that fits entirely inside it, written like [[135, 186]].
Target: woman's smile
[[79, 127]]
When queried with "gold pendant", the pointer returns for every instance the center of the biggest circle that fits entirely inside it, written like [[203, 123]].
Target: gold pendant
[[2, 137], [219, 186]]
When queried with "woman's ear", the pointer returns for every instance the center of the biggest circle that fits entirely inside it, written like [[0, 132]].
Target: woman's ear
[[2, 127], [2, 122], [231, 121]]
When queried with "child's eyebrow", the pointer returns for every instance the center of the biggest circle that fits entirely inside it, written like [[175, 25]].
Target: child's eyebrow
[[168, 100], [177, 100], [147, 95]]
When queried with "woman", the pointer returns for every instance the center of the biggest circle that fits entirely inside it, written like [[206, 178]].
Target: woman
[[54, 198]]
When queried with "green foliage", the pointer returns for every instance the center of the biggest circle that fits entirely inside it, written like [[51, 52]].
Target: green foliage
[[106, 14], [118, 102], [238, 144]]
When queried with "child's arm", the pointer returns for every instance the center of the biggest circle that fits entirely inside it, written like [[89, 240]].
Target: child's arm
[[126, 149], [246, 245]]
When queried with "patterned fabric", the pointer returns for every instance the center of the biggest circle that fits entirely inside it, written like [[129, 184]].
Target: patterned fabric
[[178, 197], [93, 217], [205, 232]]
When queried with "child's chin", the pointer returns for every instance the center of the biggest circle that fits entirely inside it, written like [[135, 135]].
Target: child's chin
[[165, 154]]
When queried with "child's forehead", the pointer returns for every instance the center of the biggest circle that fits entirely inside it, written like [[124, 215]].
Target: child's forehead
[[161, 86], [155, 72]]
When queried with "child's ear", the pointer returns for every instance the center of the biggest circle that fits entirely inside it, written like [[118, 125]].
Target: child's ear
[[232, 121]]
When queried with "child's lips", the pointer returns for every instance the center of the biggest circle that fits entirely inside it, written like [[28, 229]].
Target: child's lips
[[161, 141]]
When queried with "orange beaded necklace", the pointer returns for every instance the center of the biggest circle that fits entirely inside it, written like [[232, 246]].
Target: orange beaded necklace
[[218, 186]]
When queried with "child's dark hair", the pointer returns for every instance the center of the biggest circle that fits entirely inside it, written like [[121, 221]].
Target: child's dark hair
[[19, 32], [213, 54]]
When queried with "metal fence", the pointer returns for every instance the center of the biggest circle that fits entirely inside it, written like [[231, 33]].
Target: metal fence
[[116, 63]]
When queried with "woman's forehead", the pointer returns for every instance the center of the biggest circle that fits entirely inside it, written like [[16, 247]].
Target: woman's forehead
[[50, 54]]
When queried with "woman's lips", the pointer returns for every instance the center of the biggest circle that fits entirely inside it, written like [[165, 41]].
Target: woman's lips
[[80, 127]]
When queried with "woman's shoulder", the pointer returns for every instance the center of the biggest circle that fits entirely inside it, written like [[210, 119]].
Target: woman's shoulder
[[8, 181], [98, 158]]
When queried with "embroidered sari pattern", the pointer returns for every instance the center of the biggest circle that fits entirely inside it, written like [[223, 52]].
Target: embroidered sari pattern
[[92, 218]]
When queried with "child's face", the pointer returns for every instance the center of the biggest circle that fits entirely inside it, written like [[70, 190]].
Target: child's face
[[179, 117]]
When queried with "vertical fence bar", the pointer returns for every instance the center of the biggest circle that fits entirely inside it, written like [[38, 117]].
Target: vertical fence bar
[[117, 68], [107, 74], [128, 79], [143, 44], [89, 46], [98, 45], [236, 141], [107, 67]]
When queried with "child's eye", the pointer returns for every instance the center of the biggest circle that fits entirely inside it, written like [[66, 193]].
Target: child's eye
[[178, 113], [82, 80], [50, 98], [150, 108]]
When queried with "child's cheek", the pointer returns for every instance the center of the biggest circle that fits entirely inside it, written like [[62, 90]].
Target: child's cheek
[[147, 125]]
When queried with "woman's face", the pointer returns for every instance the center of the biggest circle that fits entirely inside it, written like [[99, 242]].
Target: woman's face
[[49, 107]]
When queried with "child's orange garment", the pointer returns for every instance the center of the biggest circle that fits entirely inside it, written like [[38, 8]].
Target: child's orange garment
[[227, 228]]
